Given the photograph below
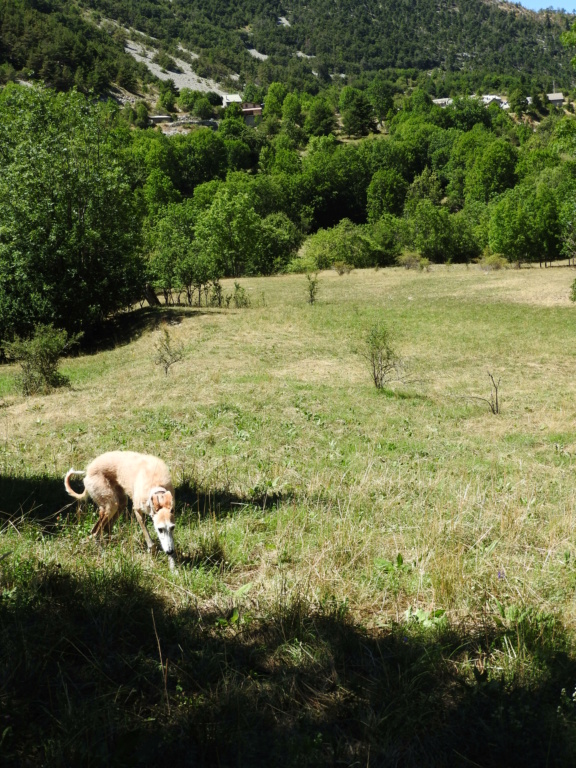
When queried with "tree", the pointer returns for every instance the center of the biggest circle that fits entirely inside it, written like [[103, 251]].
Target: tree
[[386, 193], [525, 226], [228, 233], [494, 171], [274, 100], [381, 95], [200, 156], [431, 230], [280, 239], [320, 120], [424, 187], [69, 228], [356, 111], [177, 263], [203, 109], [292, 109]]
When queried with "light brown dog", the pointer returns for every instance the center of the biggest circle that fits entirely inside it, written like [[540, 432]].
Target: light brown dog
[[145, 479]]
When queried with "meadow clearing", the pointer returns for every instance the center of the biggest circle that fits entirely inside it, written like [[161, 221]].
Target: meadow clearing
[[371, 578]]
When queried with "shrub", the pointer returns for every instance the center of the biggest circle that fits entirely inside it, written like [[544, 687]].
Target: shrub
[[167, 351], [410, 260], [492, 261], [312, 287], [383, 361], [240, 298], [573, 291], [342, 268], [39, 358]]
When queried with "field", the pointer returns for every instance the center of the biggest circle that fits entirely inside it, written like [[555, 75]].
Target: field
[[366, 578]]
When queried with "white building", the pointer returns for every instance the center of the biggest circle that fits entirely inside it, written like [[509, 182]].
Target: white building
[[231, 98], [442, 102]]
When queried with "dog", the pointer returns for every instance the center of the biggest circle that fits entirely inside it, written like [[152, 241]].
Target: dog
[[116, 475]]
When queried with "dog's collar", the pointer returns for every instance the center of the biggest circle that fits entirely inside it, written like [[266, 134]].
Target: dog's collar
[[153, 492]]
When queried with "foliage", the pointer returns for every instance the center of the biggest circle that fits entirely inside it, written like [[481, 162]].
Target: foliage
[[346, 242], [39, 358], [320, 120], [524, 225], [386, 193], [69, 229]]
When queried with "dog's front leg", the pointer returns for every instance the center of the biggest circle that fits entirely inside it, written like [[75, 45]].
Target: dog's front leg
[[142, 525]]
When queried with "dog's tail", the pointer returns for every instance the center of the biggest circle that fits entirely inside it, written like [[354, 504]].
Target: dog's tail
[[69, 488]]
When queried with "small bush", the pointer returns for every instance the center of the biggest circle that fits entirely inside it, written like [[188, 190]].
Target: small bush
[[216, 294], [410, 260], [167, 351], [573, 291], [342, 268], [490, 262], [39, 358], [240, 298], [383, 361], [312, 287]]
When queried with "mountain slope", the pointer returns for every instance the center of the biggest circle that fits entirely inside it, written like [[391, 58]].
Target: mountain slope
[[326, 37]]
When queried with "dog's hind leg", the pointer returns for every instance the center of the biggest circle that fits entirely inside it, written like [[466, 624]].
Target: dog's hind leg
[[106, 495]]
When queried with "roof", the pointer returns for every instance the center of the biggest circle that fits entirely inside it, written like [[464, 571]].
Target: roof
[[555, 96]]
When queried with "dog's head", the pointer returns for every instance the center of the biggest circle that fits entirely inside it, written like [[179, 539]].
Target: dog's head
[[160, 504]]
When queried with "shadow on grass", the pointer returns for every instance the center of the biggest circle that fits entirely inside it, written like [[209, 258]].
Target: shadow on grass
[[129, 326], [197, 501], [37, 499], [98, 671]]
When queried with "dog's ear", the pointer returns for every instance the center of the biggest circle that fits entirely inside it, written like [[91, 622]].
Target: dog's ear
[[161, 500]]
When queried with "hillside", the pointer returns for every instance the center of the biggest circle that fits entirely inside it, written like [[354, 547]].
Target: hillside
[[302, 44]]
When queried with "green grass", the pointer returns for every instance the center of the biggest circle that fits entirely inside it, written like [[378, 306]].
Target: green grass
[[366, 577]]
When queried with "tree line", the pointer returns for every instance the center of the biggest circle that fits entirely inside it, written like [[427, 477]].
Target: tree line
[[95, 210]]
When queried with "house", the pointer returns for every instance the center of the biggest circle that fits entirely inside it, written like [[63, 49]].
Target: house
[[442, 102], [155, 119], [250, 111], [555, 99], [491, 98], [231, 98]]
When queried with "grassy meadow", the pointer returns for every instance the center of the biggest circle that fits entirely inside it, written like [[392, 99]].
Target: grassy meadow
[[365, 578]]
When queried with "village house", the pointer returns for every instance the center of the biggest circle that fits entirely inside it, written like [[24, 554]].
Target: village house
[[555, 99], [251, 111], [155, 119], [231, 98]]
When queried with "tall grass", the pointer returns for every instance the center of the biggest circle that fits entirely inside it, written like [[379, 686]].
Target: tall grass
[[366, 577]]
